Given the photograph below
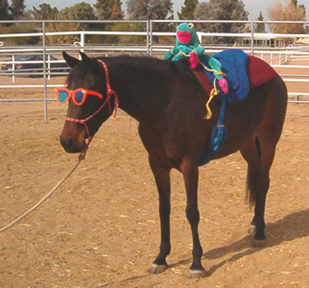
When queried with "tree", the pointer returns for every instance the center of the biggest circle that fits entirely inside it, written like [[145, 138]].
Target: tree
[[44, 12], [109, 10], [222, 10], [260, 26], [15, 11], [188, 10], [80, 11], [18, 8], [21, 28], [287, 12], [5, 10], [149, 9]]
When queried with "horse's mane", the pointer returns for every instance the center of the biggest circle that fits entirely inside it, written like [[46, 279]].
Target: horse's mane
[[180, 69], [187, 75]]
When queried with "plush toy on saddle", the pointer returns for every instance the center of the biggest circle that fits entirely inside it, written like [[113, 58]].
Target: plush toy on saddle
[[188, 45]]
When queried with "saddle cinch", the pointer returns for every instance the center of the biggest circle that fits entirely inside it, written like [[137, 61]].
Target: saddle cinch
[[242, 72]]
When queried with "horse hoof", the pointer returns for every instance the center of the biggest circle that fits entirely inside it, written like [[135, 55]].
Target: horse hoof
[[194, 274], [259, 243], [156, 269], [252, 229]]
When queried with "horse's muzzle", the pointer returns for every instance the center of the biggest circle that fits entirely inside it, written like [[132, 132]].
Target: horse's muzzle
[[70, 145]]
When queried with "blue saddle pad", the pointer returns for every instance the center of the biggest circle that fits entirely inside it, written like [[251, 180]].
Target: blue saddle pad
[[217, 137], [234, 62]]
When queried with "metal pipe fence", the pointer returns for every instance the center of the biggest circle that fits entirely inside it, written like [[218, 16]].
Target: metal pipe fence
[[143, 39]]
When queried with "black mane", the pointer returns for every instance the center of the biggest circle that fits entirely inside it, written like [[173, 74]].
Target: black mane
[[180, 69]]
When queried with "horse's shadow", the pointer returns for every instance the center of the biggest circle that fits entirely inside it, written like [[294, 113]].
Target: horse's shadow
[[291, 227]]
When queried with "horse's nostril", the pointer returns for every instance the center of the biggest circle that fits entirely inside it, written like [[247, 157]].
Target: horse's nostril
[[67, 143]]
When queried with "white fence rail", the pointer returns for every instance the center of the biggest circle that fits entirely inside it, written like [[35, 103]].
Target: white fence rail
[[268, 46]]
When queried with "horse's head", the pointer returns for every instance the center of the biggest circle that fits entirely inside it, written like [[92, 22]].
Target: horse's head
[[88, 93]]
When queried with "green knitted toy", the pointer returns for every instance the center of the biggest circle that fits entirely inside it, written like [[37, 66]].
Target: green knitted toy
[[188, 44]]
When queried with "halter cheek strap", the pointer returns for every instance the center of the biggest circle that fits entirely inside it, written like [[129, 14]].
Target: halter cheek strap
[[109, 92]]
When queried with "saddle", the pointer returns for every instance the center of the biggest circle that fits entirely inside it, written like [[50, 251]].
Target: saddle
[[243, 72]]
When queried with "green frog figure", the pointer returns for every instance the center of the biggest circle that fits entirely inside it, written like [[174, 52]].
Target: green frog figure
[[188, 44]]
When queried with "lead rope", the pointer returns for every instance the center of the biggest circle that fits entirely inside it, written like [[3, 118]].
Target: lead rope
[[82, 155], [43, 199]]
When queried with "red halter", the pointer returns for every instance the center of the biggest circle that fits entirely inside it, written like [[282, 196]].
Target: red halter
[[109, 92]]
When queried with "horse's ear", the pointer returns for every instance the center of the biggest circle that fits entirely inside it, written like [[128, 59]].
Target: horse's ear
[[71, 61], [85, 58]]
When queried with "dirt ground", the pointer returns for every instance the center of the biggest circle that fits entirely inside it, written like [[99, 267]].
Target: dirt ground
[[101, 227]]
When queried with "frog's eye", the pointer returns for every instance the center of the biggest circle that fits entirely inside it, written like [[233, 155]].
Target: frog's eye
[[191, 25]]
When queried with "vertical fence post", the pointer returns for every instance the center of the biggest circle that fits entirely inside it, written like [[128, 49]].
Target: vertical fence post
[[149, 37], [13, 68], [252, 38], [44, 68], [49, 67], [82, 41]]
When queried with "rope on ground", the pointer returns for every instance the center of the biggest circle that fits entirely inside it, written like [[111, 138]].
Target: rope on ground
[[43, 199]]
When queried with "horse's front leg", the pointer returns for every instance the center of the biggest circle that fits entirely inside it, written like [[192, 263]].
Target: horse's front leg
[[162, 178], [190, 174]]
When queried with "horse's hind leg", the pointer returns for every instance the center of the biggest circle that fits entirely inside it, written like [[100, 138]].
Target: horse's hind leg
[[259, 154]]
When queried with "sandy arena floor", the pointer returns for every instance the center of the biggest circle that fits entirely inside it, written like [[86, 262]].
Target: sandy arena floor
[[101, 228]]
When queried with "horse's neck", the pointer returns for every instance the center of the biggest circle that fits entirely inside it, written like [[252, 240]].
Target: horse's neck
[[140, 91]]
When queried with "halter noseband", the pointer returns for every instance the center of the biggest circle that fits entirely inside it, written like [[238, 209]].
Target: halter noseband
[[109, 92]]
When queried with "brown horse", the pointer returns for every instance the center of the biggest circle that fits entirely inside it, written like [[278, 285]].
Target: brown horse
[[168, 101]]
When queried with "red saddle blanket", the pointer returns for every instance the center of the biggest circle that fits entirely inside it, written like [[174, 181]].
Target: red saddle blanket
[[258, 72]]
